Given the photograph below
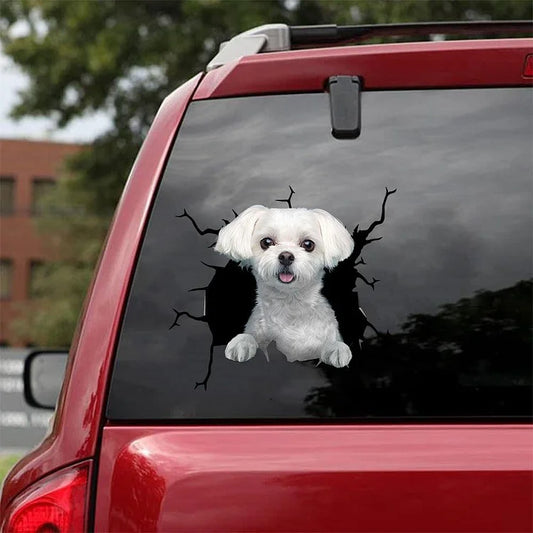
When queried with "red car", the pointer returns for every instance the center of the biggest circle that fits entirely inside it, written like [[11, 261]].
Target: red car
[[417, 415]]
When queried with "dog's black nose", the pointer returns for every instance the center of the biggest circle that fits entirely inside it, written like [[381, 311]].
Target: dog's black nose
[[286, 258]]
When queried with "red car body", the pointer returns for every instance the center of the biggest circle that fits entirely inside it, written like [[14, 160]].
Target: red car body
[[342, 477]]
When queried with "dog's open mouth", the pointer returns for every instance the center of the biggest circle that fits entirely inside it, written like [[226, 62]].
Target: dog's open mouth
[[285, 276]]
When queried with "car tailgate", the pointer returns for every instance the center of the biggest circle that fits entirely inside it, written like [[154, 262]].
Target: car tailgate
[[315, 478]]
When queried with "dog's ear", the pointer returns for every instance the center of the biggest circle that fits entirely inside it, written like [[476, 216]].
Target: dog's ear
[[337, 241], [235, 239]]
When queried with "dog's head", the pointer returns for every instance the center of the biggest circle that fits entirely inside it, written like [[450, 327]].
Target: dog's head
[[285, 247]]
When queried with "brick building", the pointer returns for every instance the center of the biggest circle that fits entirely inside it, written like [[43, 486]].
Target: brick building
[[28, 169]]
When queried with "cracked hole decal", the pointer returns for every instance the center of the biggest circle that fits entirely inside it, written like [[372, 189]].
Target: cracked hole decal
[[291, 280]]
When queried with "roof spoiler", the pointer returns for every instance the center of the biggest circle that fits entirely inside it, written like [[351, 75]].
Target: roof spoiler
[[279, 37]]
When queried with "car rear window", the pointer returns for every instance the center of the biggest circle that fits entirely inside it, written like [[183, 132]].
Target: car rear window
[[435, 302]]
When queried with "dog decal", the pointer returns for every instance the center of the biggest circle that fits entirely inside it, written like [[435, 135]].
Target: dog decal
[[287, 251], [296, 273]]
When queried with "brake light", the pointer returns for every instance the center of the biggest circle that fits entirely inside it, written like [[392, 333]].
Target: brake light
[[56, 504]]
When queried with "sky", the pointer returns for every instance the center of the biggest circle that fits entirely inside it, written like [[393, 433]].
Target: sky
[[13, 80]]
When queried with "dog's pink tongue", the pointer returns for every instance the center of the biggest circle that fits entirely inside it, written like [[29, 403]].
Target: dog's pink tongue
[[286, 277]]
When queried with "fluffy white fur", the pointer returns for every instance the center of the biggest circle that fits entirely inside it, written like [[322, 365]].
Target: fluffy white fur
[[290, 309]]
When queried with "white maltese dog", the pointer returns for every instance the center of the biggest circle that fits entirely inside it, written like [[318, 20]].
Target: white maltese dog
[[287, 250]]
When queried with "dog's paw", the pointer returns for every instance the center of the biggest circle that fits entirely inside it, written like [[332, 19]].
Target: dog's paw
[[337, 354], [241, 348]]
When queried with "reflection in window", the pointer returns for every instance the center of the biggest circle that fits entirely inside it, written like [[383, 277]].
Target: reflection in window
[[41, 189], [6, 278], [474, 354], [7, 195]]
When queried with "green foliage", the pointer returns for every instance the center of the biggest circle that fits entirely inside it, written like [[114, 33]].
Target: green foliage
[[388, 11], [123, 58], [6, 463]]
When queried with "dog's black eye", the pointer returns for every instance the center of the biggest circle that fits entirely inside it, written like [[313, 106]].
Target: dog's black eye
[[266, 243], [308, 245]]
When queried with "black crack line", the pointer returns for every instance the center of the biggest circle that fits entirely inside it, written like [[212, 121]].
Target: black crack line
[[360, 236], [208, 375], [369, 283], [288, 200], [200, 231], [372, 226], [181, 313]]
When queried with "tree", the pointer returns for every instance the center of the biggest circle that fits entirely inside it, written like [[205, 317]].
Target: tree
[[124, 57], [471, 357]]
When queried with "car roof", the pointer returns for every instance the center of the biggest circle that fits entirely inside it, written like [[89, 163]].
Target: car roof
[[416, 65]]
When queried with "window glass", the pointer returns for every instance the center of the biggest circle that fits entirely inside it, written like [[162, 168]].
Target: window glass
[[41, 189], [6, 278], [35, 287], [7, 195], [434, 303]]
